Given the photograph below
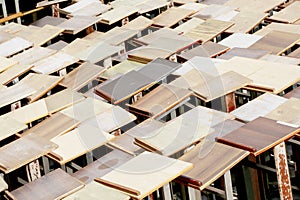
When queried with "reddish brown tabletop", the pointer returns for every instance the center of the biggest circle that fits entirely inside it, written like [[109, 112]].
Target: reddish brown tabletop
[[259, 135]]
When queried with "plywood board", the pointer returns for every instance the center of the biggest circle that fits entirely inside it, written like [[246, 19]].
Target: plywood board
[[57, 45], [160, 33], [48, 3], [13, 46], [140, 23], [81, 76], [54, 63], [183, 131], [147, 54], [171, 17], [281, 59], [189, 25], [208, 30], [159, 100], [30, 112], [62, 99], [86, 109], [102, 166], [14, 72], [144, 174], [119, 89], [240, 40], [45, 34], [54, 185], [244, 52], [211, 160], [220, 86], [284, 41], [12, 27], [94, 190], [213, 11], [15, 93], [41, 83], [172, 45], [117, 14], [259, 135], [77, 24], [84, 139], [6, 63], [76, 6], [121, 69], [4, 36], [53, 126], [289, 14], [294, 93], [111, 119], [22, 151], [289, 28], [48, 20], [258, 6], [33, 55], [10, 126], [92, 9], [287, 112], [266, 76], [148, 6]]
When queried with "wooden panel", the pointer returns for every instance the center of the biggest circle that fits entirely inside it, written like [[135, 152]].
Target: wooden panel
[[92, 9], [121, 69], [30, 112], [144, 174], [41, 83], [61, 100], [84, 139], [266, 76], [53, 126], [259, 135], [189, 25], [147, 54], [281, 59], [47, 3], [9, 127], [160, 33], [182, 131], [12, 27], [289, 14], [4, 36], [111, 119], [211, 160], [284, 41], [48, 20], [171, 17], [77, 24], [240, 40], [15, 93], [214, 11], [259, 106], [208, 30], [22, 151], [294, 93], [57, 45], [295, 54], [94, 190], [258, 6], [55, 185], [33, 55], [209, 49], [243, 52], [160, 100], [13, 46], [81, 76], [172, 45], [150, 5], [86, 109], [119, 89], [117, 14], [289, 28], [102, 166], [76, 6], [54, 63], [220, 86], [14, 72], [6, 63], [193, 6], [287, 112], [245, 21], [140, 23]]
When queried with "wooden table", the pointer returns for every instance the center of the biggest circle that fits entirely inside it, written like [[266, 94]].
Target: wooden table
[[171, 17], [145, 54], [209, 49], [144, 174], [49, 20], [160, 33], [81, 76], [95, 190], [53, 126], [258, 107], [149, 5], [243, 52], [14, 46], [258, 6], [182, 131], [41, 83], [22, 151], [77, 24], [214, 11], [284, 41], [160, 100], [208, 30], [281, 59], [94, 8], [102, 166], [54, 63], [77, 5], [139, 23], [189, 25], [14, 72], [266, 76], [54, 185], [10, 126], [117, 14], [289, 14], [6, 63], [240, 40], [84, 139], [294, 93], [211, 161], [289, 28]]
